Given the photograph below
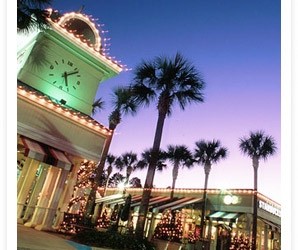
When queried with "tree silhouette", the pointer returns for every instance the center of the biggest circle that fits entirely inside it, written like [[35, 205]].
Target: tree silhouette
[[257, 146], [164, 82], [208, 153]]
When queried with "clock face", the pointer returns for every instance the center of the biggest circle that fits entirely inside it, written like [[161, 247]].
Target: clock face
[[64, 74], [62, 70]]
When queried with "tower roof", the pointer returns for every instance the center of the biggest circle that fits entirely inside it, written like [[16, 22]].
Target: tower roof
[[80, 28]]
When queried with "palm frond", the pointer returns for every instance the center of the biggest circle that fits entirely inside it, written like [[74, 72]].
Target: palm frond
[[97, 106], [32, 15], [179, 154], [167, 81], [209, 152], [258, 145]]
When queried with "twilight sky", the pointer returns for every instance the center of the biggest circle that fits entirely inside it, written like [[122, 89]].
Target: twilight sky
[[236, 47]]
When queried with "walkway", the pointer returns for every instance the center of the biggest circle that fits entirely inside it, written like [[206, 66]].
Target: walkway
[[31, 239]]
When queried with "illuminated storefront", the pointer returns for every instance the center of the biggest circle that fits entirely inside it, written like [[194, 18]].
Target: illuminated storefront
[[228, 217]]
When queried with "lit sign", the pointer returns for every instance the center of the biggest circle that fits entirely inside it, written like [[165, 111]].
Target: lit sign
[[231, 199], [269, 208]]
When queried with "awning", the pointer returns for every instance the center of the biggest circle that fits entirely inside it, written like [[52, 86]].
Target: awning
[[171, 204], [134, 199], [118, 201], [272, 225], [60, 159], [121, 200], [109, 198], [33, 149], [152, 201], [223, 216], [184, 204]]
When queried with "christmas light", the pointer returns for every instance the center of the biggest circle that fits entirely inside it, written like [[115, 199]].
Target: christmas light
[[48, 103], [60, 27]]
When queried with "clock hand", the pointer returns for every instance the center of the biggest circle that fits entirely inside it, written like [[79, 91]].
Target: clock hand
[[65, 77], [72, 73]]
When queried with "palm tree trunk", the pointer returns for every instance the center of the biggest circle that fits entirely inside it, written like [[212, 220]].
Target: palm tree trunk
[[99, 171], [255, 163], [207, 169], [150, 177], [106, 186], [175, 175]]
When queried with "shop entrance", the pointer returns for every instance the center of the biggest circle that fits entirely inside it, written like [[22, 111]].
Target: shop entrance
[[223, 241]]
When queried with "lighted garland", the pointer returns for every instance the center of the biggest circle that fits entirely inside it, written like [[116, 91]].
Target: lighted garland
[[28, 92], [104, 220], [192, 237], [73, 218], [240, 243], [170, 227]]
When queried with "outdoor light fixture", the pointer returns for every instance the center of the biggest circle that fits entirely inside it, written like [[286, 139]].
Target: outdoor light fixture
[[62, 101]]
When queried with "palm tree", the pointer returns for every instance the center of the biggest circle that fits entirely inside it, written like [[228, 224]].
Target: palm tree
[[166, 82], [257, 146], [179, 156], [146, 156], [97, 106], [135, 182], [116, 179], [207, 153], [98, 208], [110, 160], [31, 14], [127, 160], [122, 105]]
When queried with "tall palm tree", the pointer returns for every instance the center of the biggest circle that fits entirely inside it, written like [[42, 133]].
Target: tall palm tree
[[179, 156], [32, 14], [257, 146], [122, 105], [165, 82], [207, 153]]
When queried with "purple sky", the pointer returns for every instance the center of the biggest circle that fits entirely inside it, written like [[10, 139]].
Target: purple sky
[[236, 47]]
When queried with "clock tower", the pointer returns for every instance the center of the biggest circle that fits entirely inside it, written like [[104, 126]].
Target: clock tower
[[58, 73], [66, 61]]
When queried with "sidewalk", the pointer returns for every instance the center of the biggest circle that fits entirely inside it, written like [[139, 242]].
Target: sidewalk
[[31, 239]]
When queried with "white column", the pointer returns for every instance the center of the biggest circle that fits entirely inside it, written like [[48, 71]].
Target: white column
[[44, 198], [69, 191], [23, 175], [67, 194], [35, 194], [152, 225], [48, 219], [25, 181]]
